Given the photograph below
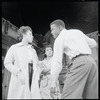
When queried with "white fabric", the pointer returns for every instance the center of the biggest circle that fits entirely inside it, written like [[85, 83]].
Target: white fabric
[[45, 83], [17, 58], [71, 42]]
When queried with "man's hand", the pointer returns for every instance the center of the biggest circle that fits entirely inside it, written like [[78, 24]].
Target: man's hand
[[53, 92], [53, 89]]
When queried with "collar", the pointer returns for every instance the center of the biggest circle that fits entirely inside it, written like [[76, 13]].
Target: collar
[[63, 30], [21, 44]]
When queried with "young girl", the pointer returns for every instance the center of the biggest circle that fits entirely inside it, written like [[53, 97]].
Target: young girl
[[45, 76]]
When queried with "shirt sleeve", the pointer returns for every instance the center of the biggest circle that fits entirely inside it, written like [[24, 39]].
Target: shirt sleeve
[[35, 58], [56, 65], [9, 62], [91, 42]]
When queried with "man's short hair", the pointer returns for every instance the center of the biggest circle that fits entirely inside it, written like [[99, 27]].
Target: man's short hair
[[58, 22]]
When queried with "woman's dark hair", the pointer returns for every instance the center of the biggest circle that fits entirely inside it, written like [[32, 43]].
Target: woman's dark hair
[[47, 46]]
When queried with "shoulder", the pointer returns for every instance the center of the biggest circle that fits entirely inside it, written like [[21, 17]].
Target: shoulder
[[19, 44], [33, 49], [75, 31], [13, 46]]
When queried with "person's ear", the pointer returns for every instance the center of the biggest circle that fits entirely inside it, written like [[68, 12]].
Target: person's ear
[[23, 35], [60, 28]]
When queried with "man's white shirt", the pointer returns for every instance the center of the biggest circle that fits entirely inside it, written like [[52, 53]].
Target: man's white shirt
[[71, 42]]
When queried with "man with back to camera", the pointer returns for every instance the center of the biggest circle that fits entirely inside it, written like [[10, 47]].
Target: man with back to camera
[[82, 79]]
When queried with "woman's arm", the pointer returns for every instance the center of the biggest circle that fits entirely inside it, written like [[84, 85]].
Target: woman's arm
[[45, 69]]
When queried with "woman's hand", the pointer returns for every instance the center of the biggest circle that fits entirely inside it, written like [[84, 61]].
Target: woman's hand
[[21, 77]]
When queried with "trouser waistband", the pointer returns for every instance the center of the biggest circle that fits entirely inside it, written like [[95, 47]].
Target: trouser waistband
[[79, 56]]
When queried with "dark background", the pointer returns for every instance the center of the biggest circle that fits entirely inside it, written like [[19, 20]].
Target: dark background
[[38, 15]]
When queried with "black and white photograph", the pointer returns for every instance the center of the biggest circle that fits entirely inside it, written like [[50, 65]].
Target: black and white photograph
[[50, 49]]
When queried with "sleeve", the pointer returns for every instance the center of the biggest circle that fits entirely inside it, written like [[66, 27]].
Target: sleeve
[[56, 65], [9, 62], [35, 62], [37, 70], [91, 42], [35, 58]]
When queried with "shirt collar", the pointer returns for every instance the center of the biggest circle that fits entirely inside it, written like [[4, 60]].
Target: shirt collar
[[63, 30], [20, 44]]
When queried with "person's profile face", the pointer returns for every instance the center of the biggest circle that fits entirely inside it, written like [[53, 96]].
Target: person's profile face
[[29, 36], [48, 51], [54, 30]]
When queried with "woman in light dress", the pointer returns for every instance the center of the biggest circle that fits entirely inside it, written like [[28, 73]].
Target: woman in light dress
[[45, 79], [17, 61]]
